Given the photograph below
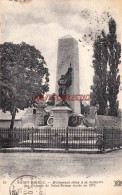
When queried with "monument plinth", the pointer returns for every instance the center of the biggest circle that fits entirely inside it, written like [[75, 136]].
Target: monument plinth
[[61, 116]]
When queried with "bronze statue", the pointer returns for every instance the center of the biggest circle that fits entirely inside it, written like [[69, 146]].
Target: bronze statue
[[64, 82]]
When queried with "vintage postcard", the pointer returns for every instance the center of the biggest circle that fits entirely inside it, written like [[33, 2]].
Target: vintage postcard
[[60, 97]]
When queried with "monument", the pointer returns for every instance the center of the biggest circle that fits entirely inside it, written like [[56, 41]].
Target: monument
[[67, 81], [68, 57]]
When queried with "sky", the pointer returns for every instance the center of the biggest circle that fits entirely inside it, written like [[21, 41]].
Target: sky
[[42, 22]]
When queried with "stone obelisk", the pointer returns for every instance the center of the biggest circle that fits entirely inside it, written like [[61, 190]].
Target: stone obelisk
[[67, 81], [68, 53]]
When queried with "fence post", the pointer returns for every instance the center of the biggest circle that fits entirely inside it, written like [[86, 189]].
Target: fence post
[[66, 139], [112, 140], [14, 138], [119, 135], [32, 148], [104, 139]]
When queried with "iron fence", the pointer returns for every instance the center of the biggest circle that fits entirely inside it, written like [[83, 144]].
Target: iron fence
[[65, 138], [112, 138]]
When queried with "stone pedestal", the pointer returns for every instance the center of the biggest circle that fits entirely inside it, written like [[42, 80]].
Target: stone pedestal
[[61, 116]]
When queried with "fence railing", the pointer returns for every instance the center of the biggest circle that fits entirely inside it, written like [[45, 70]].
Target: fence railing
[[66, 138], [112, 138]]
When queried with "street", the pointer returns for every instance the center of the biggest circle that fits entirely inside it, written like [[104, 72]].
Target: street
[[60, 165]]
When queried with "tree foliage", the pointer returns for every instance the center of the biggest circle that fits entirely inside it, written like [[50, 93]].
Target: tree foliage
[[85, 109], [98, 94], [23, 74], [114, 54], [106, 81]]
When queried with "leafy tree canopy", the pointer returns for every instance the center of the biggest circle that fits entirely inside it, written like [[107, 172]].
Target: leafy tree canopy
[[23, 74], [100, 57], [106, 59], [114, 54]]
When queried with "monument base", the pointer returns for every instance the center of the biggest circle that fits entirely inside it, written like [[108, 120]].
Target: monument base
[[61, 116]]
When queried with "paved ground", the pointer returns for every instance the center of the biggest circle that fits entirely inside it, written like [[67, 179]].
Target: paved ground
[[60, 165]]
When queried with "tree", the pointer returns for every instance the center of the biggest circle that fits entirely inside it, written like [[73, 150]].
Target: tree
[[98, 94], [85, 109], [23, 74], [114, 54], [51, 100]]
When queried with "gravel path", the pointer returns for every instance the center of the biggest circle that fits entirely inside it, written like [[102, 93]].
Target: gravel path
[[60, 165]]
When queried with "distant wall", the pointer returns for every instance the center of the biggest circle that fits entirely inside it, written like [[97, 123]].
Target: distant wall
[[6, 123], [108, 121]]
